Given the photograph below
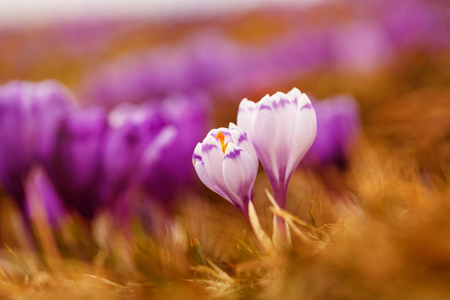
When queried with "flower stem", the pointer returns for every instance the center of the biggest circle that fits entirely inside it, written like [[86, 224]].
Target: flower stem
[[281, 236]]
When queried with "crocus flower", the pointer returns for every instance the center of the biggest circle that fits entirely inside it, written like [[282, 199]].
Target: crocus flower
[[199, 63], [282, 128], [30, 115], [226, 163], [131, 129], [361, 46], [75, 165], [134, 144], [188, 116], [411, 23]]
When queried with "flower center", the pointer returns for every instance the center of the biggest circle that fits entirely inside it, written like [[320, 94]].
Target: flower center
[[221, 138]]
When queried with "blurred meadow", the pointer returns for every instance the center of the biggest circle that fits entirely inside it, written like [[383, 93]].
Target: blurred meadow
[[99, 119]]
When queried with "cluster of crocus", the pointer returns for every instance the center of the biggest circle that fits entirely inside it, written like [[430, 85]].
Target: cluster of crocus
[[30, 115], [197, 64], [92, 157], [214, 63], [74, 164], [278, 130]]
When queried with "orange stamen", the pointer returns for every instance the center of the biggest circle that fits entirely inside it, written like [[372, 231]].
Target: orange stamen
[[221, 138]]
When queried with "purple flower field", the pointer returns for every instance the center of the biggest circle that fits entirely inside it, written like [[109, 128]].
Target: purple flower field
[[277, 153]]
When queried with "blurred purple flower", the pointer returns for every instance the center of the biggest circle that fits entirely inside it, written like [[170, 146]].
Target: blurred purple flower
[[189, 116], [360, 45], [75, 165], [199, 63], [410, 23], [134, 141], [148, 146], [338, 125], [100, 158], [30, 115], [94, 159], [297, 52]]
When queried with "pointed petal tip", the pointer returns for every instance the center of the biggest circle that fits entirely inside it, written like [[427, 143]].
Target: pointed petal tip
[[295, 91], [208, 144], [246, 104], [198, 149], [232, 152], [265, 103], [233, 126]]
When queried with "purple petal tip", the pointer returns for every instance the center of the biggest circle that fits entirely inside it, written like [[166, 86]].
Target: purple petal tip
[[208, 147], [233, 154], [197, 157], [306, 106]]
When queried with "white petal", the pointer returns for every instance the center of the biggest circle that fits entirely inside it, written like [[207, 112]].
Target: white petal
[[225, 131], [273, 133], [213, 132], [303, 101], [246, 114], [265, 131], [199, 165], [285, 113], [197, 161], [232, 126], [197, 155], [239, 173], [240, 139], [304, 132], [277, 97], [212, 158], [295, 93]]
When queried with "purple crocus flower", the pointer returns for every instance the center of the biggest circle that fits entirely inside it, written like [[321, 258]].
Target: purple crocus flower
[[136, 137], [411, 22], [75, 165], [199, 63], [188, 116], [30, 115], [226, 163], [148, 146], [130, 131], [338, 125], [101, 158], [360, 46]]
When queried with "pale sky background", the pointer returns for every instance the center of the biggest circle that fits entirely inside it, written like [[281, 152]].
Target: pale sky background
[[26, 12]]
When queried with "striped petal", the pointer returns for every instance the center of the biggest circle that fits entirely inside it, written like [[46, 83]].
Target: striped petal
[[213, 157], [240, 139], [304, 132], [239, 173], [199, 165]]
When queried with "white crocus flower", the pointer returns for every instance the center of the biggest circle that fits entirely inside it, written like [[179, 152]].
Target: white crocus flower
[[227, 163], [282, 128]]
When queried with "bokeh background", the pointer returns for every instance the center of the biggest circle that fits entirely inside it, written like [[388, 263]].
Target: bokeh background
[[113, 194]]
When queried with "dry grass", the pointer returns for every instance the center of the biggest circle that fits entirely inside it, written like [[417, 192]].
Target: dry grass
[[376, 230]]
